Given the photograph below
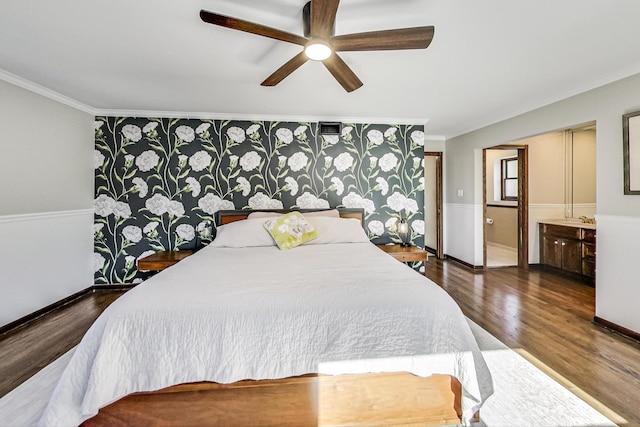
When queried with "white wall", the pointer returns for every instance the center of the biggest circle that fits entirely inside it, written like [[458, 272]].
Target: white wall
[[605, 105], [46, 208], [547, 184]]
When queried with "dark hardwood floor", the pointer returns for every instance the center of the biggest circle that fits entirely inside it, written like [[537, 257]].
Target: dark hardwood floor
[[26, 350], [545, 314], [550, 316]]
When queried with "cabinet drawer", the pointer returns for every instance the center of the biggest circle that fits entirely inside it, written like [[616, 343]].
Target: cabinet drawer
[[588, 268], [589, 235], [588, 250], [561, 231]]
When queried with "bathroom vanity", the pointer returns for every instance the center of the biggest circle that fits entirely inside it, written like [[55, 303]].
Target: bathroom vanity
[[569, 246]]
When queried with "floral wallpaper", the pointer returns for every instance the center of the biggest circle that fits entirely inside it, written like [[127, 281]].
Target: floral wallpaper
[[159, 182]]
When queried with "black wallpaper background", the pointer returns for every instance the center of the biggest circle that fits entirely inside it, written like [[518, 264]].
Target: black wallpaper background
[[158, 181]]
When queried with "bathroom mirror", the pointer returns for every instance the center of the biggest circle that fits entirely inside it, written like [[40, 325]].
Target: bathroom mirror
[[580, 170], [562, 172]]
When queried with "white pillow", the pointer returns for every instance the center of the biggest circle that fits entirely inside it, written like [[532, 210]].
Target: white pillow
[[334, 213], [331, 213], [260, 214], [242, 234], [337, 230]]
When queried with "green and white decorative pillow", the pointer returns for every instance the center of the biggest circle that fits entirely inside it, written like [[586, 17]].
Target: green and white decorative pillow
[[290, 230]]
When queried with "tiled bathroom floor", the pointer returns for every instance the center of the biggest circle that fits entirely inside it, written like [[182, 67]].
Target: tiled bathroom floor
[[501, 256]]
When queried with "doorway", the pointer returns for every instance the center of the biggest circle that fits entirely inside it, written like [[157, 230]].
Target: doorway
[[505, 206], [433, 241]]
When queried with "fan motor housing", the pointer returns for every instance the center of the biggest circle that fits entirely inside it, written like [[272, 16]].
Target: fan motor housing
[[306, 21]]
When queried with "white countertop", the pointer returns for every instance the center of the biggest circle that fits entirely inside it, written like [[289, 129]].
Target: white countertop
[[568, 223]]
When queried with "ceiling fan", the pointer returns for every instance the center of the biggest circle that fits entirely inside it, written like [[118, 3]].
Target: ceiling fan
[[320, 43]]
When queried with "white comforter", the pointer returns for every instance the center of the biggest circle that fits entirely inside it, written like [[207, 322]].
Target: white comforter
[[254, 313]]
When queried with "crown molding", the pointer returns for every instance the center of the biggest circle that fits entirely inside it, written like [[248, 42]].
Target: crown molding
[[63, 99], [253, 117], [47, 93]]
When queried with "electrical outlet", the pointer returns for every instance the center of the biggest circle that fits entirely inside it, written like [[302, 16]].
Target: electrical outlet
[[460, 193]]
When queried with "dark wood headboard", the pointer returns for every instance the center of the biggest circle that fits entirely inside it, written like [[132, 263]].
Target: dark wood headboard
[[227, 216]]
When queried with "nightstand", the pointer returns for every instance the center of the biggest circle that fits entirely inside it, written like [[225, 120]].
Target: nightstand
[[163, 259], [407, 254]]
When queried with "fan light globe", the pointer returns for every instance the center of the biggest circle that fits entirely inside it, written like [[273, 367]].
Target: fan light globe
[[318, 50]]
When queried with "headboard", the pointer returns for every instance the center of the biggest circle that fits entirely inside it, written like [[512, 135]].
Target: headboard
[[226, 216]]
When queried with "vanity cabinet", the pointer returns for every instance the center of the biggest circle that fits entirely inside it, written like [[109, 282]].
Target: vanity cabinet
[[570, 248], [589, 253]]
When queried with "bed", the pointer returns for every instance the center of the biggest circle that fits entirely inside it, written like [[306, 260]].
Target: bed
[[244, 312]]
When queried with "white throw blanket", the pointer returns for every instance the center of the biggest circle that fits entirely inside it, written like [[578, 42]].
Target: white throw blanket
[[225, 315]]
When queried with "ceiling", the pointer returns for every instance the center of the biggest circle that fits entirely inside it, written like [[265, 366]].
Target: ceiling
[[489, 60]]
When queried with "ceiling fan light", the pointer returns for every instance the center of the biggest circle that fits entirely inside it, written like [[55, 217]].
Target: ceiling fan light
[[318, 50]]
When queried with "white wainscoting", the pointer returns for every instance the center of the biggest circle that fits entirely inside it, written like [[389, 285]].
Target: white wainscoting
[[617, 277], [584, 209], [45, 257], [463, 236]]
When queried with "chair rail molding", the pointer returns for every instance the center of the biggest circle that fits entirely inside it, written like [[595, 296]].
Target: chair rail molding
[[47, 256], [43, 215]]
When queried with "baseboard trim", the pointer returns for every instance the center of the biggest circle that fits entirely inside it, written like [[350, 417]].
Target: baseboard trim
[[59, 304], [466, 264], [627, 333], [429, 249], [113, 287]]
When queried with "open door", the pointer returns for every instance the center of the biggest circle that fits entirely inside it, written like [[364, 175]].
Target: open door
[[506, 195], [433, 234]]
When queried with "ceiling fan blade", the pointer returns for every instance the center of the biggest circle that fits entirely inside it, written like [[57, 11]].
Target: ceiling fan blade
[[250, 27], [404, 38], [323, 16], [342, 73], [288, 68]]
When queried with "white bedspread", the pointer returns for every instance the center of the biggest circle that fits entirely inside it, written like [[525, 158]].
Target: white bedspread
[[255, 313]]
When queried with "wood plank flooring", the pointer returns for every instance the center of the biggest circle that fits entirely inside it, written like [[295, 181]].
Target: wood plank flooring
[[26, 350], [545, 314], [550, 317]]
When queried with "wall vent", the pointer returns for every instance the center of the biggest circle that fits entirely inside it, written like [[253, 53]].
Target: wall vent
[[330, 128]]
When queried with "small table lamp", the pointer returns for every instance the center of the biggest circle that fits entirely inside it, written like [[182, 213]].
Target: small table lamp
[[403, 232]]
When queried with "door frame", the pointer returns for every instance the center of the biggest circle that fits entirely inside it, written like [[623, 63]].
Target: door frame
[[523, 203], [439, 249]]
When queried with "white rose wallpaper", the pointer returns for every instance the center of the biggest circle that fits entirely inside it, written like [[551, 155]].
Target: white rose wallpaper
[[159, 181]]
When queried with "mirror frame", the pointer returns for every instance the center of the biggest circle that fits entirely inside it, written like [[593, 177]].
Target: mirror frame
[[631, 144]]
